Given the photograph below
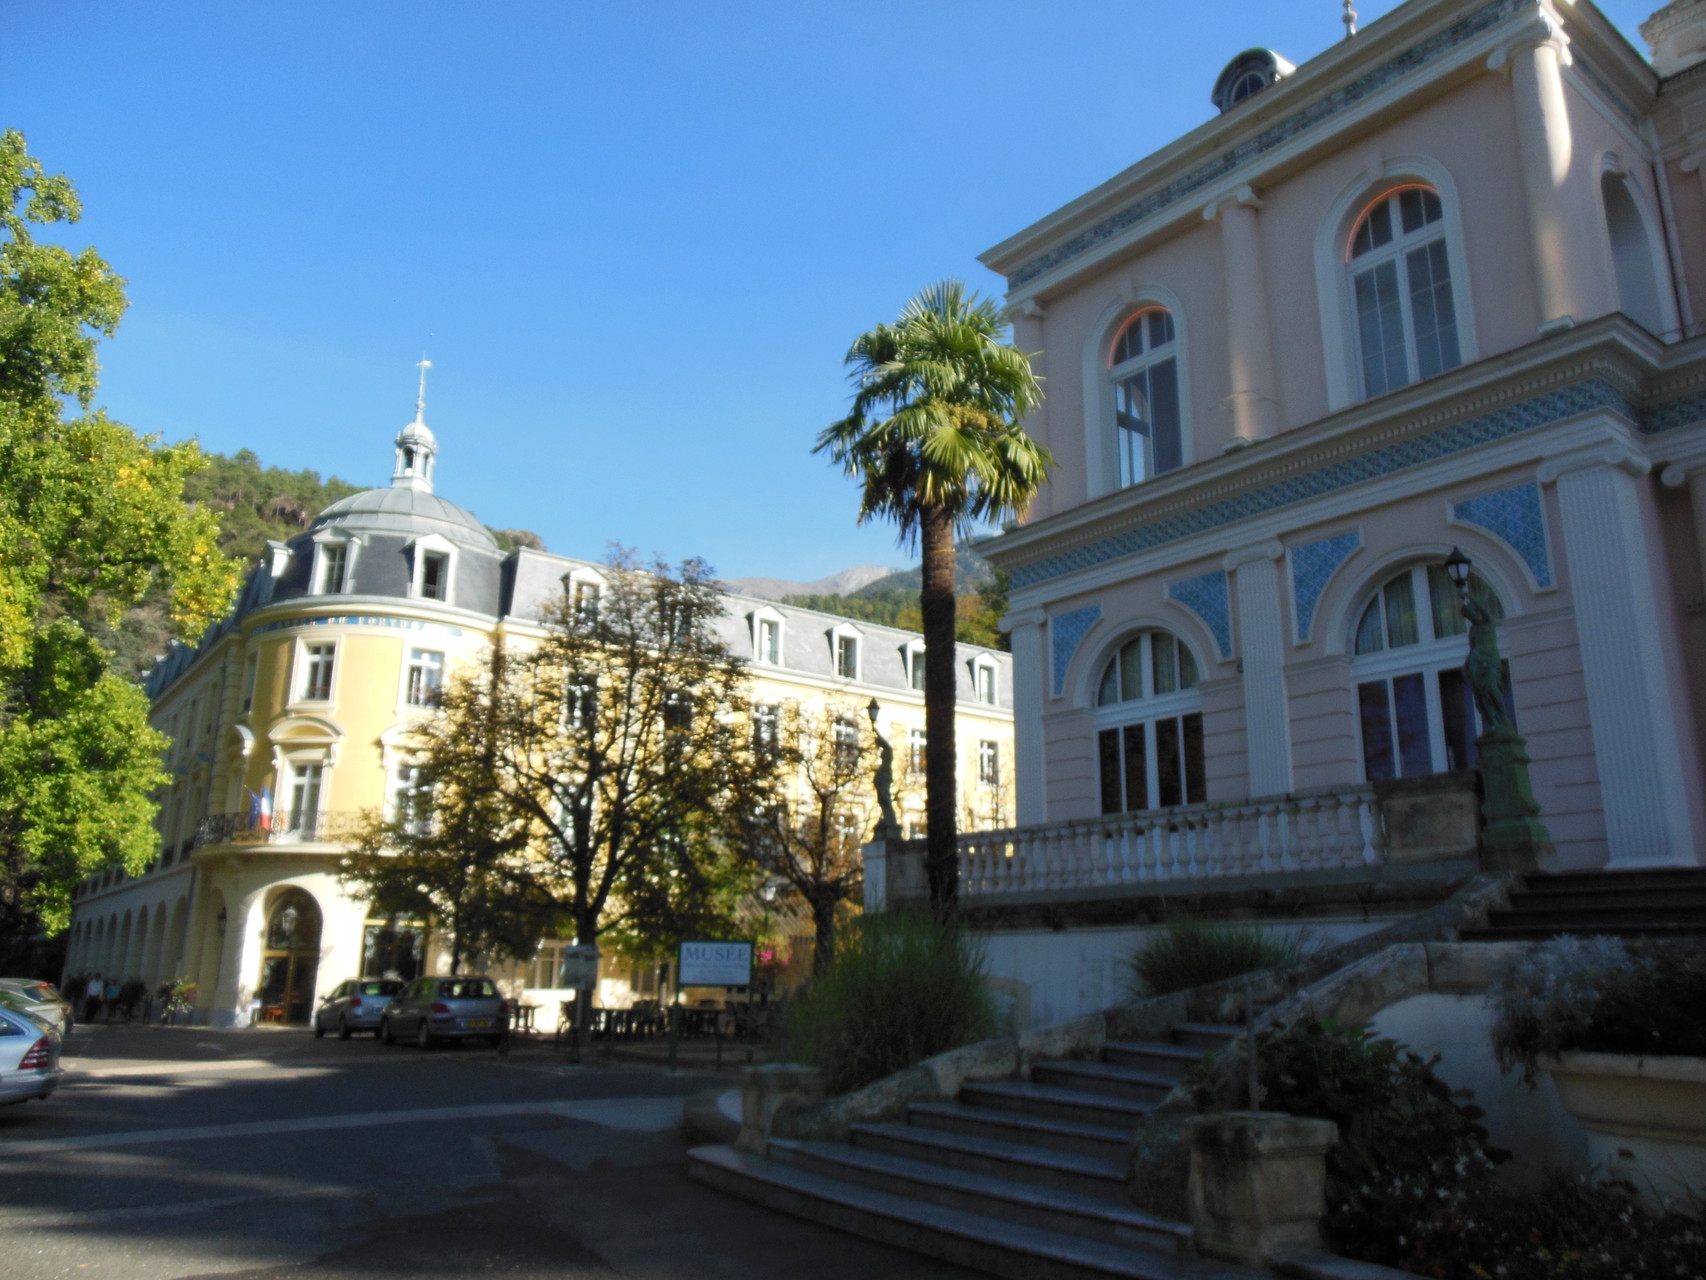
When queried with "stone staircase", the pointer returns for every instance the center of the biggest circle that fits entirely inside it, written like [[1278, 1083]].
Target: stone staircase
[[1022, 1178], [1627, 904]]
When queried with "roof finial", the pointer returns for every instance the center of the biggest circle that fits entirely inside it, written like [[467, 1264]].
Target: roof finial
[[423, 364], [1349, 18]]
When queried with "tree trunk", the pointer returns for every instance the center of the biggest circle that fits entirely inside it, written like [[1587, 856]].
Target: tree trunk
[[936, 598], [823, 925]]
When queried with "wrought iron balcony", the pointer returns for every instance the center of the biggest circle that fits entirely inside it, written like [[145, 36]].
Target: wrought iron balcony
[[247, 828]]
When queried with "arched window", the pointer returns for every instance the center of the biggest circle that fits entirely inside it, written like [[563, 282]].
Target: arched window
[[1400, 279], [1414, 709], [1145, 373], [1149, 726], [1631, 255]]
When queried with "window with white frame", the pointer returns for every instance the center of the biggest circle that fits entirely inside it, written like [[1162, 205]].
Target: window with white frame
[[303, 816], [984, 678], [915, 752], [435, 575], [1415, 711], [845, 739], [426, 674], [766, 727], [1144, 368], [317, 665], [847, 655], [1400, 281], [583, 599], [767, 638], [989, 762], [410, 800], [580, 704], [334, 565], [1149, 731], [915, 666]]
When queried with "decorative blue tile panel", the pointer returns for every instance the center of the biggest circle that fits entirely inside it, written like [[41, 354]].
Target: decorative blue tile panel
[[1207, 597], [1066, 633], [1312, 565], [1500, 424], [1513, 515], [1283, 131], [1678, 413]]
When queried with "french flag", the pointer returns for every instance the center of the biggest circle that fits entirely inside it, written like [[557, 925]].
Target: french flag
[[260, 809]]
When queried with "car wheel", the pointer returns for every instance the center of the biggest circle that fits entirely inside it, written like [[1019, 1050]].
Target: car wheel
[[385, 1034], [423, 1035], [343, 1027], [319, 1027]]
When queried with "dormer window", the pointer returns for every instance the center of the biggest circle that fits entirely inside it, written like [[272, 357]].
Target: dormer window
[[983, 679], [915, 666], [1247, 75], [435, 576], [334, 564], [845, 647], [586, 602], [767, 637]]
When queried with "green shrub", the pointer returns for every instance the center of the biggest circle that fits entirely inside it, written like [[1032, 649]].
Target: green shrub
[[1193, 952], [1601, 995], [901, 990]]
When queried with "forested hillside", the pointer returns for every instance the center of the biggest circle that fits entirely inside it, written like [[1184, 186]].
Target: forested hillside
[[893, 601]]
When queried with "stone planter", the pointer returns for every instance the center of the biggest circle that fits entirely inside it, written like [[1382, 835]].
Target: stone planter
[[1645, 1117]]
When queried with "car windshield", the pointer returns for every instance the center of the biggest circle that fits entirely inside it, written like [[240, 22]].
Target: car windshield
[[380, 988], [466, 989]]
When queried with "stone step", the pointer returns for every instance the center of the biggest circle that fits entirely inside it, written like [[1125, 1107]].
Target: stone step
[[1104, 1077], [1057, 1102], [1104, 1142], [1542, 933], [1206, 1035], [1170, 1060], [990, 1244], [1659, 901], [1591, 918], [1033, 1204], [1097, 1176], [1608, 881]]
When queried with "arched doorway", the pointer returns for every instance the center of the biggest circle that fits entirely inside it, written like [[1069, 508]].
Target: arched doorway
[[291, 958]]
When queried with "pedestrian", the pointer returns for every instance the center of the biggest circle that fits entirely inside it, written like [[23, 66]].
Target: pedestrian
[[109, 996], [92, 996]]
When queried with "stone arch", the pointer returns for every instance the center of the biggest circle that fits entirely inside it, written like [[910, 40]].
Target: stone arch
[[290, 954], [1106, 639], [1346, 595]]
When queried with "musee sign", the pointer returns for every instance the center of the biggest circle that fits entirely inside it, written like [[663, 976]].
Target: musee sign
[[715, 964]]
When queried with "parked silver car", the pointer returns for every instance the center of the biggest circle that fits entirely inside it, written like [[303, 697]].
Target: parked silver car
[[44, 999], [434, 1009], [356, 1005], [29, 1056]]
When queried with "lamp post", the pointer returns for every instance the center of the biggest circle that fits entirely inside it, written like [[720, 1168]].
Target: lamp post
[[1514, 838], [888, 828]]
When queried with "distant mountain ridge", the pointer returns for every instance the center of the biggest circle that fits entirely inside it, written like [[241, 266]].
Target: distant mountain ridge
[[845, 583]]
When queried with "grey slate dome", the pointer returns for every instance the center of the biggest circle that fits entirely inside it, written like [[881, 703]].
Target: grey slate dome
[[405, 512]]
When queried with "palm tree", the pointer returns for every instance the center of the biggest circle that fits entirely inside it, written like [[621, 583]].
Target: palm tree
[[934, 438]]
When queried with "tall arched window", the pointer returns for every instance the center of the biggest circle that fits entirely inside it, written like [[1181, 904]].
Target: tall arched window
[[1631, 255], [1149, 726], [1400, 279], [1145, 373], [1414, 708]]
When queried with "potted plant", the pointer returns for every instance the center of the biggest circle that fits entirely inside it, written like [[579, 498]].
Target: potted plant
[[1621, 1030]]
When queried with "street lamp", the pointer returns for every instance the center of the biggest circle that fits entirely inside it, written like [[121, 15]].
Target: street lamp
[[1514, 838]]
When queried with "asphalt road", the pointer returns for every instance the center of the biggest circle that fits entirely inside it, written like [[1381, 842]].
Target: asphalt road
[[173, 1153]]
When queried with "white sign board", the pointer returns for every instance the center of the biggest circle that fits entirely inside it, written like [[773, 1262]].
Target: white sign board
[[715, 964], [579, 968]]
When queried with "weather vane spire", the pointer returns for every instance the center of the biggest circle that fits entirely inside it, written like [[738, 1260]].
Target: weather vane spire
[[423, 364]]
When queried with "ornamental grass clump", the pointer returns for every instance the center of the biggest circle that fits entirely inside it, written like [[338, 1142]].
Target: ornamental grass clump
[[1190, 953], [901, 989], [1600, 995]]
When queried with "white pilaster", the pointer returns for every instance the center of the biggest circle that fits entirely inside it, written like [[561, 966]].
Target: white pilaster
[[1261, 655], [1025, 633], [1643, 791], [1249, 341]]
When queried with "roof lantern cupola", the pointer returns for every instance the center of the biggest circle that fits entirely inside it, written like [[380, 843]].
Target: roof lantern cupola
[[1247, 74], [417, 449]]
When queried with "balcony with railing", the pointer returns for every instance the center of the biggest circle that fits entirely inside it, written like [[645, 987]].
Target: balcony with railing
[[247, 828], [1406, 828]]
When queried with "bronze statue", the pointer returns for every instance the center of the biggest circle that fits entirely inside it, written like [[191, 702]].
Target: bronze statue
[[1485, 669]]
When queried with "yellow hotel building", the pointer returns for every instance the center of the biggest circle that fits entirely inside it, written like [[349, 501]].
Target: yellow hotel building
[[293, 717]]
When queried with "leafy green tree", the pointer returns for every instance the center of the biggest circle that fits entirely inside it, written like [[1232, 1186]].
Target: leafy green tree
[[934, 438], [451, 851], [92, 519]]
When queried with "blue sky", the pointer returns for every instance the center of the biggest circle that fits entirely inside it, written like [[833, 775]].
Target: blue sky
[[634, 239]]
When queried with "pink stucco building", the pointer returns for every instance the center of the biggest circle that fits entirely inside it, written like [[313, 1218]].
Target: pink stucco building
[[1441, 285]]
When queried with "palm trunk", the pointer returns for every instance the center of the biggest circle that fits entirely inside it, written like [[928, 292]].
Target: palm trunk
[[936, 598]]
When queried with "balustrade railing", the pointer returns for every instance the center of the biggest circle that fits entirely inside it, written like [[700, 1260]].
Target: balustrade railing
[[247, 828], [1310, 831]]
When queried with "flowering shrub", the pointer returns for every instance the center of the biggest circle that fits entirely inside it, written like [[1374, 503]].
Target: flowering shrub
[[1601, 995]]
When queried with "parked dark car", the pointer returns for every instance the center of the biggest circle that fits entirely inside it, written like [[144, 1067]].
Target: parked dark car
[[433, 1009], [356, 1005]]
